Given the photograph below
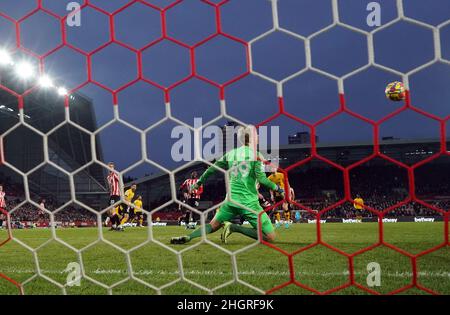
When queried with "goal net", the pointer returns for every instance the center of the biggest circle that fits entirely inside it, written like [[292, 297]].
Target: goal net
[[86, 83]]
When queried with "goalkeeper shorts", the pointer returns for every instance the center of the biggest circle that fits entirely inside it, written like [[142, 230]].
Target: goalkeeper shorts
[[229, 211]]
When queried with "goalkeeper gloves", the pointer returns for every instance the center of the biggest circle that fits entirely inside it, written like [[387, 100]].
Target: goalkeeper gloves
[[280, 190]]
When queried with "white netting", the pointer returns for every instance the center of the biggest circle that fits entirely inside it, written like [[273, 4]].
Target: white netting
[[371, 62]]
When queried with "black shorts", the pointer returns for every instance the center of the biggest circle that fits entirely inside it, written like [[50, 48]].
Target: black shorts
[[193, 202], [124, 209], [132, 212]]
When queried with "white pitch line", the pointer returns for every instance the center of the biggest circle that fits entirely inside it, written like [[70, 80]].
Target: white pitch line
[[432, 274]]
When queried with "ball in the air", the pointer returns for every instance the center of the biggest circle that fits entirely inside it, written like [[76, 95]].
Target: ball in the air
[[395, 91]]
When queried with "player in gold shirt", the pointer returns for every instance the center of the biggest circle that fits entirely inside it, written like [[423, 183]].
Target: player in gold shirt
[[279, 179], [138, 215], [358, 203], [124, 211], [277, 218]]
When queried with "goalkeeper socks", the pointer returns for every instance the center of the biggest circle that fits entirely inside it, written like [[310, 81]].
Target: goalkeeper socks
[[250, 232], [124, 220], [198, 232]]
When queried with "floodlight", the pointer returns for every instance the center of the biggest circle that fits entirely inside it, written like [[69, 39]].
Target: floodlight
[[46, 82], [5, 58], [62, 91], [24, 70]]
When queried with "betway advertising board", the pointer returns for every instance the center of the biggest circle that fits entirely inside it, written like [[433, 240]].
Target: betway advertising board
[[427, 219]]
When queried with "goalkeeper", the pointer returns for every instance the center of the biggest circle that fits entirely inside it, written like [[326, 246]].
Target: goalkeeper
[[245, 171]]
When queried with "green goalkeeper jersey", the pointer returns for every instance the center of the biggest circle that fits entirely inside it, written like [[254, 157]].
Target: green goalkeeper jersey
[[245, 169]]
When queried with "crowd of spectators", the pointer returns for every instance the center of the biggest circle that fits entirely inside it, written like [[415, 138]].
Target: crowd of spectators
[[347, 210], [317, 188], [30, 213]]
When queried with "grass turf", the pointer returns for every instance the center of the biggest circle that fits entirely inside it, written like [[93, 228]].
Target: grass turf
[[260, 266]]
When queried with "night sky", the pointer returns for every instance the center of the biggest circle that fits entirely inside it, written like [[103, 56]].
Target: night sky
[[311, 96]]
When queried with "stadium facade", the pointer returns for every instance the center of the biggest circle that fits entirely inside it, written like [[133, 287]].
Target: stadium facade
[[68, 146], [405, 151]]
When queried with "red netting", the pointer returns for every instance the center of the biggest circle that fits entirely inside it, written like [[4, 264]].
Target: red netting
[[408, 105]]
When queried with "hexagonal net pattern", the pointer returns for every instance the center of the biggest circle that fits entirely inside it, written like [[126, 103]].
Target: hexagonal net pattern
[[194, 73]]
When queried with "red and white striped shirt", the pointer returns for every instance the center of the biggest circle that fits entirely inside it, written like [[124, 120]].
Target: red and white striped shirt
[[113, 182], [42, 208], [2, 199], [193, 193]]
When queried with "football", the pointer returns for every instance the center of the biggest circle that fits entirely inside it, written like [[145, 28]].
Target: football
[[395, 91]]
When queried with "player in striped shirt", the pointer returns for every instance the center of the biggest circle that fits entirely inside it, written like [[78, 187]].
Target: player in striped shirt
[[2, 198], [42, 208], [114, 196], [192, 196], [2, 205]]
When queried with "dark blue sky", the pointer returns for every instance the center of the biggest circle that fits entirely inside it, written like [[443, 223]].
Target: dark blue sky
[[310, 96]]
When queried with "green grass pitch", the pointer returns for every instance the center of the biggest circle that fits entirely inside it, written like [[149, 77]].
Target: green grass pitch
[[260, 266]]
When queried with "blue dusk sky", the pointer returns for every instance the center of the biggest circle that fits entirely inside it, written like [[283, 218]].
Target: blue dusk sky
[[311, 96]]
